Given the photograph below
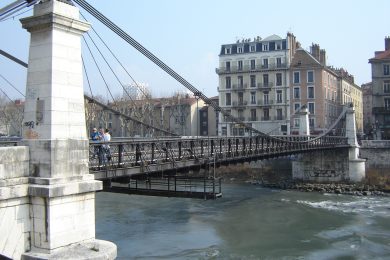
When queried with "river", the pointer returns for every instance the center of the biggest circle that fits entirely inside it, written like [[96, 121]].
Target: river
[[248, 222]]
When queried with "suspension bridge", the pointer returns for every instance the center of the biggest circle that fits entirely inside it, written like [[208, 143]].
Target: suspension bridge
[[53, 166]]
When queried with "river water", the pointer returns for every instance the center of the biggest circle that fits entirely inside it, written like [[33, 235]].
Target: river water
[[248, 222]]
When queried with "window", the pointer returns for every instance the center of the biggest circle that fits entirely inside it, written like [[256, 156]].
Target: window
[[253, 64], [265, 63], [240, 98], [240, 80], [296, 122], [266, 98], [297, 94], [240, 65], [228, 50], [228, 82], [253, 115], [278, 62], [279, 96], [253, 81], [265, 80], [386, 86], [240, 49], [386, 69], [297, 106], [311, 107], [252, 48], [311, 122], [310, 92], [266, 114], [278, 45], [387, 103], [253, 98], [297, 79], [265, 46], [227, 64], [279, 114], [310, 76], [228, 99], [278, 79]]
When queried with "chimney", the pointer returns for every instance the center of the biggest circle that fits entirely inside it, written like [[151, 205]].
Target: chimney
[[387, 43], [323, 57], [315, 51]]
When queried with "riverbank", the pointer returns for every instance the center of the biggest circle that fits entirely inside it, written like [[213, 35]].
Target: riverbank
[[376, 183]]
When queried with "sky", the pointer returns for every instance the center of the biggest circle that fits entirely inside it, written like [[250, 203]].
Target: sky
[[187, 36]]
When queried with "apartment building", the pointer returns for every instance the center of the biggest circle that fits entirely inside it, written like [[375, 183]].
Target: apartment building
[[349, 92], [380, 69], [368, 125], [315, 86], [254, 84]]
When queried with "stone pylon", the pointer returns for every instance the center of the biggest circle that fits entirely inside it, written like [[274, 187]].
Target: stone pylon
[[61, 189], [357, 166], [304, 128]]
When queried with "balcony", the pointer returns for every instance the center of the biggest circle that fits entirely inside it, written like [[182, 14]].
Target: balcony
[[279, 118], [253, 118], [238, 87], [381, 110], [249, 68], [265, 85], [265, 103], [239, 103], [265, 118]]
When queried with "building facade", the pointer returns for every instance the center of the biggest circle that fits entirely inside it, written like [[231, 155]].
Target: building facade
[[380, 69], [254, 84], [368, 124], [315, 86]]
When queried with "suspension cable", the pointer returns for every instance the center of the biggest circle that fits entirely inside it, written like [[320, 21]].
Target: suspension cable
[[86, 6]]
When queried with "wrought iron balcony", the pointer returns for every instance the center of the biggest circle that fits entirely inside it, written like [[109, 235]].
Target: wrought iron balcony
[[239, 103], [381, 110], [265, 85], [265, 102]]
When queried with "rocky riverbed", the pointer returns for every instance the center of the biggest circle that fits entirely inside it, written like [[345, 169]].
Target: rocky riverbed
[[350, 189]]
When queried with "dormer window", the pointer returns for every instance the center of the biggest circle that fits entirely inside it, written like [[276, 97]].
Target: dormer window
[[252, 48], [228, 50], [278, 46], [265, 46], [240, 49]]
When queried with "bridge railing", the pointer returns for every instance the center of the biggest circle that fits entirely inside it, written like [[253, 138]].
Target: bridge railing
[[143, 152]]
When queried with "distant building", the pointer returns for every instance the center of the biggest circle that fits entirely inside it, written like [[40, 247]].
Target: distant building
[[254, 84], [349, 92], [324, 90], [136, 91], [368, 125], [181, 114], [380, 68]]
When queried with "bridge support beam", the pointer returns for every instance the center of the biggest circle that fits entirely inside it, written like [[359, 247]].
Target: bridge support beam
[[61, 190]]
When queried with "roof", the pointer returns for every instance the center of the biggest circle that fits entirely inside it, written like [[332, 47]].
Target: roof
[[273, 37], [381, 55]]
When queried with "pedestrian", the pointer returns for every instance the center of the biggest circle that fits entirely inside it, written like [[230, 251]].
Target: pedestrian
[[106, 146], [95, 137]]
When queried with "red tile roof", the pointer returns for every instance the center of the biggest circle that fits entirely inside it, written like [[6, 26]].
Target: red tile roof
[[382, 55]]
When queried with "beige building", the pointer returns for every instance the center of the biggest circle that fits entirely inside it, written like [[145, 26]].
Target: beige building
[[367, 110], [349, 92], [380, 68], [254, 84], [315, 86]]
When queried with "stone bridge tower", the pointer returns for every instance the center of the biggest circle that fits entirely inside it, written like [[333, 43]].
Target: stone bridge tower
[[61, 190]]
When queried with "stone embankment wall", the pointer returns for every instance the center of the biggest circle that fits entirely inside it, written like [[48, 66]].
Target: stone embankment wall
[[377, 153], [14, 201]]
